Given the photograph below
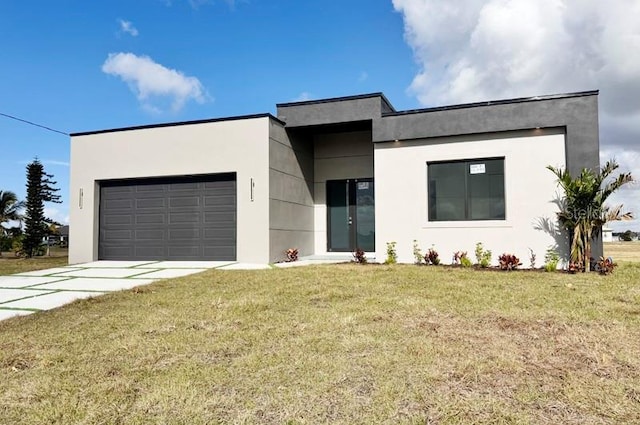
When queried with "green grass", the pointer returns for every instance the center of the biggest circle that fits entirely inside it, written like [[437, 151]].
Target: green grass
[[334, 344]]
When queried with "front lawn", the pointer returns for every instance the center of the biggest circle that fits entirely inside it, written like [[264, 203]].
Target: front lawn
[[334, 344], [9, 264]]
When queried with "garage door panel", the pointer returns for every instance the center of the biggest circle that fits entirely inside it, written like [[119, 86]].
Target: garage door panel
[[145, 218], [229, 185], [154, 202], [117, 235], [150, 235], [219, 233], [190, 218], [182, 218], [118, 219], [193, 185], [219, 217], [221, 253], [184, 234], [124, 204], [184, 201], [149, 252], [218, 200], [118, 191], [117, 251], [149, 189], [185, 251]]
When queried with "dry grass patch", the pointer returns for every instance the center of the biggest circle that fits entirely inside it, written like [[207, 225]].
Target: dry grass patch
[[334, 344], [9, 264], [623, 251]]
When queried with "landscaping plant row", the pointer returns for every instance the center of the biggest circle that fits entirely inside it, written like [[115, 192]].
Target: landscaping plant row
[[506, 261]]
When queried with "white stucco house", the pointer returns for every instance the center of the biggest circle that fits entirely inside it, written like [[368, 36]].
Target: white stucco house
[[330, 176], [607, 234]]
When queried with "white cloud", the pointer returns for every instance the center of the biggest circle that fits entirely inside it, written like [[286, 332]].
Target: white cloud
[[128, 28], [302, 97], [151, 81], [363, 77], [196, 4], [55, 162], [57, 215], [629, 195], [478, 50]]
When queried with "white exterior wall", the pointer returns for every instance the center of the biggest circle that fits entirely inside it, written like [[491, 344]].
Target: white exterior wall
[[337, 156], [401, 195], [240, 146]]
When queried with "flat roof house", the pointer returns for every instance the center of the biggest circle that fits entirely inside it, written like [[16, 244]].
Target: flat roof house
[[329, 176]]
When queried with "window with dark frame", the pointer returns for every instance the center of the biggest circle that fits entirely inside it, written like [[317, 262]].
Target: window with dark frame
[[466, 190]]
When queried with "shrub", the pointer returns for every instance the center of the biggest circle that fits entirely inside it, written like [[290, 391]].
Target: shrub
[[432, 257], [5, 243], [551, 260], [392, 255], [575, 266], [466, 261], [359, 256], [483, 256], [605, 265], [292, 254], [417, 254], [532, 258], [457, 257], [508, 262]]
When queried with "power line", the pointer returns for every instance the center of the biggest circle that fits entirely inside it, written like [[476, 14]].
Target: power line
[[34, 124]]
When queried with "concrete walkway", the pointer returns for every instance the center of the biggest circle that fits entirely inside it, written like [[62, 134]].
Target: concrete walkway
[[26, 293]]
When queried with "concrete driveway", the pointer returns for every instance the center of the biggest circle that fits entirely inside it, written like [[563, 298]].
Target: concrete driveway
[[26, 293]]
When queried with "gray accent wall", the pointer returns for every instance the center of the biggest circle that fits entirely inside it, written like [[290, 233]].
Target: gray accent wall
[[578, 114], [338, 156], [291, 209], [333, 111]]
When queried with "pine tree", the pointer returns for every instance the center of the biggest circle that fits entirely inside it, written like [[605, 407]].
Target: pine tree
[[40, 189]]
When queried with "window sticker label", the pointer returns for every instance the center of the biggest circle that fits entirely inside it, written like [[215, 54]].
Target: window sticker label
[[477, 169], [363, 185]]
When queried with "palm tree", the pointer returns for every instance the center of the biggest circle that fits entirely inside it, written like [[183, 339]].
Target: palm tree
[[583, 212], [9, 209]]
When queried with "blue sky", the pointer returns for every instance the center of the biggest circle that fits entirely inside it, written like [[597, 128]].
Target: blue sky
[[247, 56], [79, 66]]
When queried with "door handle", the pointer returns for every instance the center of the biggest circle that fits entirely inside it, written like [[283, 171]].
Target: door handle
[[350, 221]]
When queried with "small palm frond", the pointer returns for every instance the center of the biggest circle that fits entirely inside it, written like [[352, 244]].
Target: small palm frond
[[616, 214]]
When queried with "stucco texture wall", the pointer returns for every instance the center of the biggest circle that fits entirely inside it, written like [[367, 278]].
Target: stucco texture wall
[[530, 190], [239, 146]]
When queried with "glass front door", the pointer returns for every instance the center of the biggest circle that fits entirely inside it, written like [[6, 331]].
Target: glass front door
[[350, 215]]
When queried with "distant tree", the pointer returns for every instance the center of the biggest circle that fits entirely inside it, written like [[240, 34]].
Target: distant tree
[[627, 236], [40, 189], [10, 209]]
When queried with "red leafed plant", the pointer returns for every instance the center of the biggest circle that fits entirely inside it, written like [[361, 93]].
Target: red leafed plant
[[605, 265], [359, 256], [508, 262], [292, 254], [432, 257]]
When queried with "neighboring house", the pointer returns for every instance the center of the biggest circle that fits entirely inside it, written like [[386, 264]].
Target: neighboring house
[[63, 232], [607, 234], [329, 176]]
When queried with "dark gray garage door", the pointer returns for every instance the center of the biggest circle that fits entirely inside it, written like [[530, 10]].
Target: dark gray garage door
[[185, 218]]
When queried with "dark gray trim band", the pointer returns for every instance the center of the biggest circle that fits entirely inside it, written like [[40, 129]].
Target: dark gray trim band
[[176, 124]]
